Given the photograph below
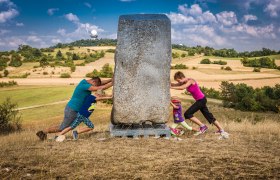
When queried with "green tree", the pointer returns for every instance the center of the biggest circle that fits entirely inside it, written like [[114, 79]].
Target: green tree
[[6, 73]]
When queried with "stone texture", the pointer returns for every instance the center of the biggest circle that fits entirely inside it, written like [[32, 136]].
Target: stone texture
[[142, 69]]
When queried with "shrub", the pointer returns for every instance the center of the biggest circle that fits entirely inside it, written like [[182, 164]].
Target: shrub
[[110, 50], [183, 55], [81, 64], [246, 98], [105, 72], [16, 61], [9, 119], [8, 84], [194, 67], [264, 62], [73, 68], [222, 68], [6, 73], [257, 70], [43, 62], [220, 62], [179, 66], [211, 93], [1, 76], [65, 75], [205, 61], [45, 73], [228, 68], [175, 55]]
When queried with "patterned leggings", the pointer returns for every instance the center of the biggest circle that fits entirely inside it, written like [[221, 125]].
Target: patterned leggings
[[79, 119]]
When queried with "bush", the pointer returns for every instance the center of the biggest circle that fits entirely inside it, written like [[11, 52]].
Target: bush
[[183, 55], [1, 76], [211, 93], [264, 62], [220, 62], [222, 68], [246, 98], [179, 66], [205, 61], [43, 62], [257, 70], [16, 61], [81, 64], [194, 68], [45, 73], [175, 55], [9, 119], [228, 68], [110, 50], [65, 75], [73, 68], [106, 72], [6, 73], [8, 84]]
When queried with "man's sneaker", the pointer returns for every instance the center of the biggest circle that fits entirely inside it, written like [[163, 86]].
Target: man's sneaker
[[75, 135], [60, 138], [203, 129], [42, 136], [174, 132]]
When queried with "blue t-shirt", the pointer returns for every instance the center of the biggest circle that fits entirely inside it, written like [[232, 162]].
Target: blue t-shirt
[[88, 106], [79, 95]]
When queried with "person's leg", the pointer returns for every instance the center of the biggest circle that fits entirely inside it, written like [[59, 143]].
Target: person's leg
[[210, 118], [193, 109], [89, 125], [185, 125]]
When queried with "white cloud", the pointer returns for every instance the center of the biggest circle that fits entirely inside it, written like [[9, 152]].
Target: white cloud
[[7, 15], [55, 41], [87, 4], [82, 30], [19, 24], [272, 8], [222, 30], [51, 11], [72, 17], [249, 17], [192, 15], [33, 38], [181, 19], [4, 31], [227, 18], [61, 31]]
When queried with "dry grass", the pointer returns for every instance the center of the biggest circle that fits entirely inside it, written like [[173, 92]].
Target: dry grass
[[252, 152]]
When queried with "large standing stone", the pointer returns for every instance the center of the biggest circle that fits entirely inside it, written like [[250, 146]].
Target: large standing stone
[[142, 69]]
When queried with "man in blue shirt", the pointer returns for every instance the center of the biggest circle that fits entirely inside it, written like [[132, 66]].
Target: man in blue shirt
[[83, 89], [83, 116]]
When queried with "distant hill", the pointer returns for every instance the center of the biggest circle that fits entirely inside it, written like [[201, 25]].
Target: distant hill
[[88, 42]]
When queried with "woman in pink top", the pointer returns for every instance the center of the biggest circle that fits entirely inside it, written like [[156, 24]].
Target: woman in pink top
[[200, 103]]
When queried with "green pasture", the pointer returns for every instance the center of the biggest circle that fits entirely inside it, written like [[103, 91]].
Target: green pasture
[[36, 95]]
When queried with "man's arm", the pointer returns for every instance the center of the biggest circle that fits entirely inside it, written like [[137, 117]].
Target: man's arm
[[102, 87], [106, 81]]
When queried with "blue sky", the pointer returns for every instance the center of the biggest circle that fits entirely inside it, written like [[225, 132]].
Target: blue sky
[[240, 24]]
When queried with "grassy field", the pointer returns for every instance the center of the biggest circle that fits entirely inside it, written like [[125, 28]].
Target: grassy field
[[36, 95], [252, 152]]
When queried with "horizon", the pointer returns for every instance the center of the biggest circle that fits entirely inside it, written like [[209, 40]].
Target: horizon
[[242, 25]]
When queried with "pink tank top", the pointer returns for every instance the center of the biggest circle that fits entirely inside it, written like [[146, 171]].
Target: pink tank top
[[195, 92]]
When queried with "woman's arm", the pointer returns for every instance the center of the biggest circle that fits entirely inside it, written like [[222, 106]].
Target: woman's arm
[[102, 87], [184, 86], [175, 84]]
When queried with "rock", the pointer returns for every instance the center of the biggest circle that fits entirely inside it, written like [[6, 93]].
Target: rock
[[142, 69]]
